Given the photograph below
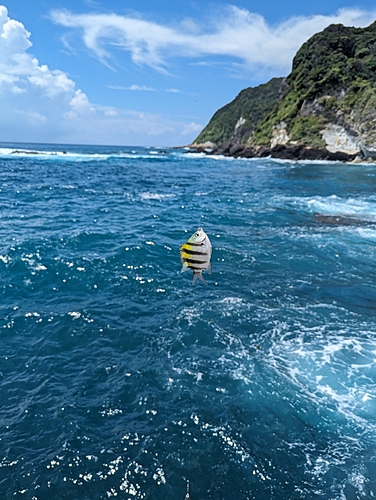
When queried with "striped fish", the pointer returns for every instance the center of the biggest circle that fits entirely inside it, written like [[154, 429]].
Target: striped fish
[[195, 255]]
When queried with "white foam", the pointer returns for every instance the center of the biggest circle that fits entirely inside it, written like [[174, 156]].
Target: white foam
[[332, 205], [24, 152], [155, 196], [40, 267], [367, 233], [342, 206], [69, 155], [333, 370], [74, 314]]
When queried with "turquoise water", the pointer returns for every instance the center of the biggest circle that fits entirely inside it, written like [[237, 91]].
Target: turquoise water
[[119, 378]]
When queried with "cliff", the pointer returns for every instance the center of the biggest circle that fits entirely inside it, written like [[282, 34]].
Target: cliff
[[325, 108], [238, 120]]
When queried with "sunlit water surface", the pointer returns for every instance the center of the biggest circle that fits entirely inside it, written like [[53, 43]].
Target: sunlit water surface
[[119, 378]]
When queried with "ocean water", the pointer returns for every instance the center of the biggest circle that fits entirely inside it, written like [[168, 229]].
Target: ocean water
[[119, 378]]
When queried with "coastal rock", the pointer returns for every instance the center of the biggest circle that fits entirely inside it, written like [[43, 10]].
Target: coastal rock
[[368, 151], [279, 135], [324, 109], [236, 149], [203, 147], [339, 139], [281, 151]]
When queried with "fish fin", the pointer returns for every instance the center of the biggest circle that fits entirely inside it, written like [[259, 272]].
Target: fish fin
[[209, 268], [184, 268], [198, 276]]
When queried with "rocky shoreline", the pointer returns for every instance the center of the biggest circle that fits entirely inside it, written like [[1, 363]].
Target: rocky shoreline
[[280, 151], [325, 109]]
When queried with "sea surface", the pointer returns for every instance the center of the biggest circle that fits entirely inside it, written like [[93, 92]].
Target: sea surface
[[121, 379]]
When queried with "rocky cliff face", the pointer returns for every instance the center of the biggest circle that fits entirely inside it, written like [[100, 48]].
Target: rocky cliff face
[[238, 120], [325, 108]]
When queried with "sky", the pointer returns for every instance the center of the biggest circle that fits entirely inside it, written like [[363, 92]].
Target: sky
[[145, 72]]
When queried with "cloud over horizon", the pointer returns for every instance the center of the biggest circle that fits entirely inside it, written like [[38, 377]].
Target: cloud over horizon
[[40, 104], [235, 33]]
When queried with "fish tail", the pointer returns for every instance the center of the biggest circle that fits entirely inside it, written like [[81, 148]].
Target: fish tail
[[198, 276]]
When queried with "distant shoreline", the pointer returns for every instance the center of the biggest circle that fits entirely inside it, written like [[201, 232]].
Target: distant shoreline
[[280, 152]]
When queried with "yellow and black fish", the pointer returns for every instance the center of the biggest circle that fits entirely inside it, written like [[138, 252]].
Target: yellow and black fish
[[196, 254]]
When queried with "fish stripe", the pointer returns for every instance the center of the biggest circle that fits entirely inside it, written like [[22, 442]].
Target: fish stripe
[[193, 261], [200, 258], [194, 252], [188, 244], [197, 267], [202, 267]]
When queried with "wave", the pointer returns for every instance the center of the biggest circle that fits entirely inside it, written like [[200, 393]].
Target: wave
[[155, 196], [67, 154], [333, 209], [55, 155]]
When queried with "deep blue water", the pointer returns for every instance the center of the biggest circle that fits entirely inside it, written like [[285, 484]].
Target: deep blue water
[[119, 378]]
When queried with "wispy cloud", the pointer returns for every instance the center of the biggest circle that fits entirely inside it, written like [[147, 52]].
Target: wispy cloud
[[91, 3], [191, 128], [142, 88], [39, 104], [237, 33]]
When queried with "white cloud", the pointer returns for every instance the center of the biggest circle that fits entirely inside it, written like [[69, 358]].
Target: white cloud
[[111, 112], [141, 87], [14, 38], [33, 97], [117, 87], [236, 33], [43, 105], [192, 128]]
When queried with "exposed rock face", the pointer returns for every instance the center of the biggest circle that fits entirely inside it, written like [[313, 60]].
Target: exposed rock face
[[325, 108], [203, 146], [238, 128], [338, 139], [368, 152], [281, 151], [279, 135]]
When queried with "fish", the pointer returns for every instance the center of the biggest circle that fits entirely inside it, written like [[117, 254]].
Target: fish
[[195, 254]]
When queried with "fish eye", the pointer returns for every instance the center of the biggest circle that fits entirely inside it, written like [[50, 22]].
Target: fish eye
[[197, 234]]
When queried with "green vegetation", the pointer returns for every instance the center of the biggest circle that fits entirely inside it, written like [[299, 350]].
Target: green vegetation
[[252, 104], [333, 80], [307, 129], [333, 73]]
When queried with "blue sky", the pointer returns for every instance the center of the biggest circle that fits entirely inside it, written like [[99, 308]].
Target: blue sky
[[144, 72]]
